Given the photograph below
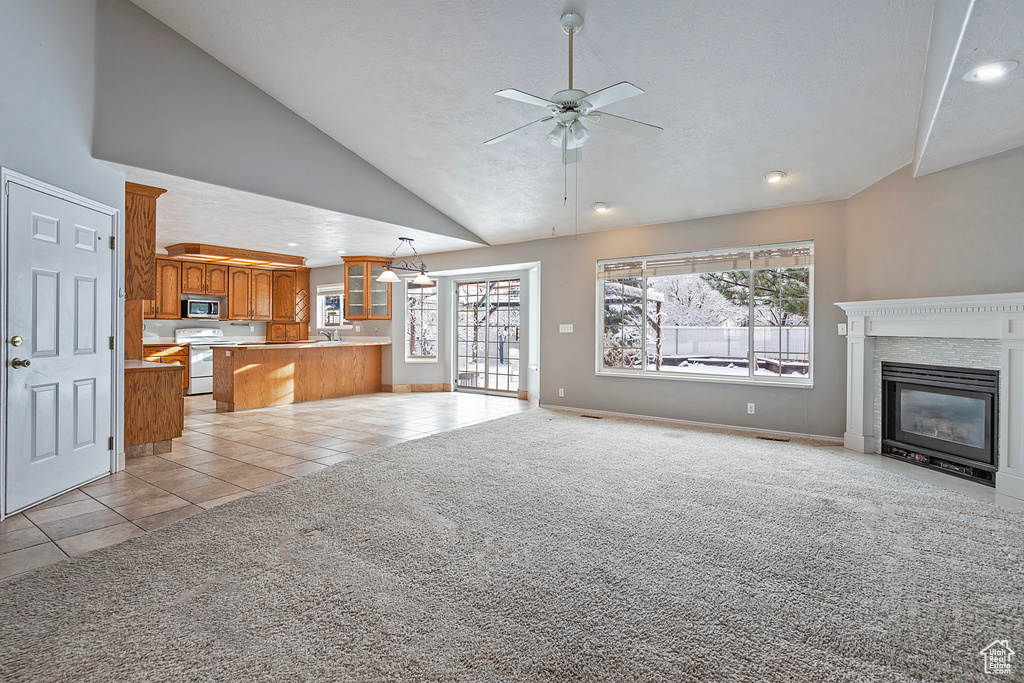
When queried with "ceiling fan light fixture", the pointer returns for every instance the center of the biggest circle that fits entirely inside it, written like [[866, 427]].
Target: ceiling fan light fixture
[[556, 135], [579, 133], [990, 71], [773, 177]]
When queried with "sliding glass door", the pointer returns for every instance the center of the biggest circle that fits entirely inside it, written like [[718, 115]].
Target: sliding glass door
[[487, 336]]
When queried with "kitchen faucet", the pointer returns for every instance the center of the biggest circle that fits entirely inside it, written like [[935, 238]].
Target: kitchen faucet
[[329, 335]]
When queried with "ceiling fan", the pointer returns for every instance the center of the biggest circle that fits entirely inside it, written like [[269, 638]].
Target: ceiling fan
[[569, 108]]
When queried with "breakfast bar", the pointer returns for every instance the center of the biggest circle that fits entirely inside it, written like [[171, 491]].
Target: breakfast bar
[[258, 375]]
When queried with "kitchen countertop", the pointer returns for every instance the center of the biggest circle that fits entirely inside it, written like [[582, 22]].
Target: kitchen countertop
[[136, 365], [367, 341]]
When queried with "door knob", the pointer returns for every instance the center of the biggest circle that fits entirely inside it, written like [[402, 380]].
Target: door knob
[[20, 363], [17, 341]]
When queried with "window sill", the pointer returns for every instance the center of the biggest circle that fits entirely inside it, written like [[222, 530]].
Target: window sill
[[714, 379], [420, 360]]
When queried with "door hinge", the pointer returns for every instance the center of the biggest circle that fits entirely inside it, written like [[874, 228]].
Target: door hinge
[[111, 343], [110, 444], [113, 242]]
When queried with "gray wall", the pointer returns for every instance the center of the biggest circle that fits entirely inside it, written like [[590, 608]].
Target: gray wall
[[568, 295], [47, 68], [165, 105], [959, 231]]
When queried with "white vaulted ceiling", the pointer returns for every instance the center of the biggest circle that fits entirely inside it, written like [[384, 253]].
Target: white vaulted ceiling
[[827, 90]]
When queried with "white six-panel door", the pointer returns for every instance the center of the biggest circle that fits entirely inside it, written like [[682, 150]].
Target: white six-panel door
[[59, 274]]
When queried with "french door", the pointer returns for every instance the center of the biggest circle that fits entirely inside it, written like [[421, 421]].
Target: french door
[[487, 336]]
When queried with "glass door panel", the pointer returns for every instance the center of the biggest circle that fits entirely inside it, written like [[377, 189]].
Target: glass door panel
[[355, 281], [378, 294], [487, 335]]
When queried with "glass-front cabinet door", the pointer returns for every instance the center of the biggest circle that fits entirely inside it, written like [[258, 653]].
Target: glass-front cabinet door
[[355, 291], [380, 294]]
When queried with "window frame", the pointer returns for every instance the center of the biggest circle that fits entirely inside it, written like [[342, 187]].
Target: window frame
[[405, 326], [752, 378]]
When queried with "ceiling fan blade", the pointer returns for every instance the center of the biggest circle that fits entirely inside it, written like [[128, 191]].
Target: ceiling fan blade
[[518, 130], [519, 95], [611, 94], [643, 130]]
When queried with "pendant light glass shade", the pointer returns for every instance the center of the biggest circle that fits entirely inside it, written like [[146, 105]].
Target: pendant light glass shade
[[556, 135], [579, 133], [388, 276], [422, 279]]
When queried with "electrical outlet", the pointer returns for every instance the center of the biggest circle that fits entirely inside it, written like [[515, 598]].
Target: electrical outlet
[[357, 328], [375, 328], [565, 329], [842, 329], [750, 409], [561, 392], [252, 328]]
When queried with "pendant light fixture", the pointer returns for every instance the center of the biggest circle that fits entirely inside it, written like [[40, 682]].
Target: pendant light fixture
[[411, 266]]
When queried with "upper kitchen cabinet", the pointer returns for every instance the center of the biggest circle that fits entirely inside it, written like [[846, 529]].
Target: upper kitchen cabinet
[[250, 294], [140, 241], [204, 278], [365, 298], [291, 296], [166, 304]]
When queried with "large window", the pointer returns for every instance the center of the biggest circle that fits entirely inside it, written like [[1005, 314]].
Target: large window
[[420, 321], [740, 314]]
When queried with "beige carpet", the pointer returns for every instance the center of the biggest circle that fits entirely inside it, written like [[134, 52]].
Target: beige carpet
[[544, 547]]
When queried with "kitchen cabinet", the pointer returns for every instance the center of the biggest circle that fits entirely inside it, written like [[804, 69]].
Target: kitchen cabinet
[[365, 298], [302, 295], [216, 280], [167, 304], [140, 240], [153, 404], [286, 332], [238, 293], [203, 278], [169, 354], [262, 294], [284, 296], [250, 294]]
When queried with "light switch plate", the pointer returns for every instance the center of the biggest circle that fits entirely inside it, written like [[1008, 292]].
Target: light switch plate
[[565, 329], [842, 329]]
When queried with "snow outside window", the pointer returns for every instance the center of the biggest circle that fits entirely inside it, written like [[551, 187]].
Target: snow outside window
[[740, 314], [420, 320]]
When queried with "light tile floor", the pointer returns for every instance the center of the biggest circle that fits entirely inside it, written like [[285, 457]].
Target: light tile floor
[[223, 456]]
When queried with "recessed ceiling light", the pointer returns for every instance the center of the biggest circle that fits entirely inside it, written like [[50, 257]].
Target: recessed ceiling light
[[600, 206], [990, 71], [340, 251], [292, 244], [774, 176]]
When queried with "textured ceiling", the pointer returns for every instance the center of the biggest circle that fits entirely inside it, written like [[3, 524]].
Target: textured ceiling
[[827, 90], [192, 211], [981, 118]]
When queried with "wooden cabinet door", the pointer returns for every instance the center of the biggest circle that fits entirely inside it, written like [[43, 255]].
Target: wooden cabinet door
[[148, 309], [168, 289], [302, 295], [355, 292], [284, 296], [276, 332], [216, 280], [193, 278], [262, 294], [238, 294]]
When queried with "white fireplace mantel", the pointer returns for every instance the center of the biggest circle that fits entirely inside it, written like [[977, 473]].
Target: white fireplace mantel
[[997, 317]]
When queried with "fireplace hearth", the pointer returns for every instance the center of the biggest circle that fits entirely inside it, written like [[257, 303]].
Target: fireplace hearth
[[941, 417]]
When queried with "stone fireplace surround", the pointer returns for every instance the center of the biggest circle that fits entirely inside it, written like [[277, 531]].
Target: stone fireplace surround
[[980, 331]]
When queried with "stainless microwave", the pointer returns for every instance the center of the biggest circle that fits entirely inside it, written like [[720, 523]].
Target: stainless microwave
[[200, 308]]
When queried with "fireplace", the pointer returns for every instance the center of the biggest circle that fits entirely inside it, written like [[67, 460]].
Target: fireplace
[[941, 417]]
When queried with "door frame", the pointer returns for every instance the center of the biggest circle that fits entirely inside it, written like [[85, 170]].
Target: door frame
[[454, 331], [7, 176]]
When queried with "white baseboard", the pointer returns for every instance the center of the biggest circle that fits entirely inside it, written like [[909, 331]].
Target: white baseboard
[[861, 444], [692, 423]]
